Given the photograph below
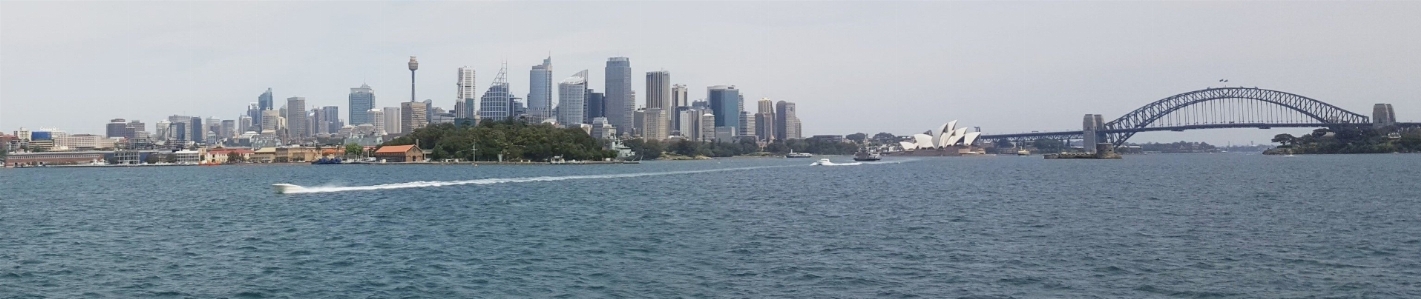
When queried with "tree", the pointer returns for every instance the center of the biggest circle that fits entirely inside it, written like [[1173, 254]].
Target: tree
[[170, 158], [152, 158], [1048, 145], [885, 138], [353, 150], [1284, 139], [234, 157], [856, 137]]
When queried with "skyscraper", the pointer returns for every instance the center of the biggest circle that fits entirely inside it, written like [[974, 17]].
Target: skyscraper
[[571, 100], [540, 91], [679, 102], [596, 105], [270, 121], [392, 120], [413, 116], [296, 118], [658, 89], [330, 119], [263, 104], [197, 132], [725, 104], [362, 99], [118, 128], [497, 103], [466, 97], [765, 121], [786, 122], [244, 123], [618, 100], [377, 117]]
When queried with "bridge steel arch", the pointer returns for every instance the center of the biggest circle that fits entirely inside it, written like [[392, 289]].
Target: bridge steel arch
[[1120, 129]]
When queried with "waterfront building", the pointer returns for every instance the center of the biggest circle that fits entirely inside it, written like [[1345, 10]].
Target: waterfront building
[[466, 90], [619, 102], [540, 91], [361, 99], [412, 116], [571, 100], [399, 153], [725, 104]]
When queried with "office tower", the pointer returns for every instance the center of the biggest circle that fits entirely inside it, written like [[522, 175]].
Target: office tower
[[179, 131], [377, 118], [519, 109], [413, 115], [330, 120], [429, 109], [270, 123], [596, 105], [707, 126], [296, 127], [602, 129], [725, 104], [263, 103], [786, 122], [118, 128], [765, 120], [540, 91], [244, 124], [679, 100], [466, 98], [196, 131], [229, 129], [618, 100], [362, 99], [658, 89], [571, 100], [639, 122], [392, 120], [747, 125], [497, 104], [687, 126], [414, 65], [656, 125], [254, 112]]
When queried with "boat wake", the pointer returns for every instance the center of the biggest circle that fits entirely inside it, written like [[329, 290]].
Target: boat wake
[[295, 189]]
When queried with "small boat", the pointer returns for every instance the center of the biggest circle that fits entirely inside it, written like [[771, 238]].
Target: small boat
[[793, 154], [864, 155], [822, 162], [1023, 152], [287, 188]]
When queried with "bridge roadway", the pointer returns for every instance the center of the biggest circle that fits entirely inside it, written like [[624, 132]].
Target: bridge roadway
[[1079, 134]]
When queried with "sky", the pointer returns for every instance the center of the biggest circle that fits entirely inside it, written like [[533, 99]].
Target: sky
[[898, 67]]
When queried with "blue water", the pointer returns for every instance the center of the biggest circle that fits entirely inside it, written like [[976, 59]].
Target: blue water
[[1191, 226]]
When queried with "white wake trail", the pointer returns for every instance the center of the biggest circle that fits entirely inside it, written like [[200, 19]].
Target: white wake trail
[[294, 189]]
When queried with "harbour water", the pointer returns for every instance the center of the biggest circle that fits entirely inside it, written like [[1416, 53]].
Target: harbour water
[[1189, 225]]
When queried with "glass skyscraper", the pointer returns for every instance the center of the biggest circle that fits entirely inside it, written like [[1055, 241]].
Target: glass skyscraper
[[618, 99], [540, 91], [362, 99], [725, 105]]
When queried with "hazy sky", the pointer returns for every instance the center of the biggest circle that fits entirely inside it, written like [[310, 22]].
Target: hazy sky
[[900, 67]]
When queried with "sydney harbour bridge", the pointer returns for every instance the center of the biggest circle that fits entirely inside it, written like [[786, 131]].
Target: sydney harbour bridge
[[1216, 108]]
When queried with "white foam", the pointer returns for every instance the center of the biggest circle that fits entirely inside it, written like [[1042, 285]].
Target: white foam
[[488, 181]]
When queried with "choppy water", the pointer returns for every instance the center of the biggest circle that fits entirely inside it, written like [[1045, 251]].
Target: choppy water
[[1223, 225]]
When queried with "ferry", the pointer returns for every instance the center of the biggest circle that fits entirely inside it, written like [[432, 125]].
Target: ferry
[[793, 154]]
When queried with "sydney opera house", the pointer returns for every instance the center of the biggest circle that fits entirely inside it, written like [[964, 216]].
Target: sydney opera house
[[949, 140]]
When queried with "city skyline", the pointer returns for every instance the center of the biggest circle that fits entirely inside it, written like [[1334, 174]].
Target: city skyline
[[900, 57]]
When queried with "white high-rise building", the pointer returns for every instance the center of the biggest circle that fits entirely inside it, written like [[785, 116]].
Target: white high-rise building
[[571, 99], [467, 91], [378, 116]]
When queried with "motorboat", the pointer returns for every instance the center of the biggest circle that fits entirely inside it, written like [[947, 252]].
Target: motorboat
[[822, 162], [326, 161]]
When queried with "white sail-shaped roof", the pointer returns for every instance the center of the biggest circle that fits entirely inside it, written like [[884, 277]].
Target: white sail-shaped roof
[[908, 146], [952, 125], [923, 140], [970, 138], [953, 141], [939, 134]]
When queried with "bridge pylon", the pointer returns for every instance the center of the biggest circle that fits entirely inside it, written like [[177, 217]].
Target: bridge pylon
[[1092, 129]]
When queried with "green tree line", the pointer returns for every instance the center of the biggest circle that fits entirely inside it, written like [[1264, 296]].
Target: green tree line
[[1350, 140], [514, 139]]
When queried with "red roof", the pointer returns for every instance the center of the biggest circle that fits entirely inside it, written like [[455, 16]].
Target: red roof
[[239, 151], [394, 149]]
